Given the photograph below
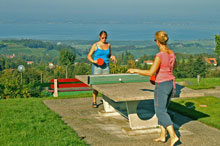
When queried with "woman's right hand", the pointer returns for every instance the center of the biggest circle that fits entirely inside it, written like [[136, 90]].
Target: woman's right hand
[[131, 70], [95, 61]]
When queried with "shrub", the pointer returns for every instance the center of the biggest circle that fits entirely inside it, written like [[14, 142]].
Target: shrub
[[11, 86]]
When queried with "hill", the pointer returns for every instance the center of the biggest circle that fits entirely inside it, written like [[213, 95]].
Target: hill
[[139, 48], [48, 51]]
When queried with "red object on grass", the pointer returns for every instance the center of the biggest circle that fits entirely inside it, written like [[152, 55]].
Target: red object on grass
[[68, 83], [152, 79], [100, 61]]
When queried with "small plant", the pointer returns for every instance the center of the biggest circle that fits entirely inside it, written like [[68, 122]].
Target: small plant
[[45, 93]]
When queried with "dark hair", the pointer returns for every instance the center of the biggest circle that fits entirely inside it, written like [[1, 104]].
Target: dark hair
[[103, 32]]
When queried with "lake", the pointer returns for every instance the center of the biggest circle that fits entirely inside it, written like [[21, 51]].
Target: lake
[[71, 31]]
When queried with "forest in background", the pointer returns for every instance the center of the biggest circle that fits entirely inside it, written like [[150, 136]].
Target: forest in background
[[48, 51], [69, 59]]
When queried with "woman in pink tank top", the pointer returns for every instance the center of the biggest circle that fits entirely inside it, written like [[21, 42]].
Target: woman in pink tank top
[[165, 86]]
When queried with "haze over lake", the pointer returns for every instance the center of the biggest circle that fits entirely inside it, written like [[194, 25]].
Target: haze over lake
[[130, 20], [116, 31]]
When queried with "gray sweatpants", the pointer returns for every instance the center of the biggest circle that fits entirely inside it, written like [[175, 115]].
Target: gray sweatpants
[[162, 95]]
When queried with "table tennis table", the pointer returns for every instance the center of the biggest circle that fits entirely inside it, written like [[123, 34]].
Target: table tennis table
[[130, 95]]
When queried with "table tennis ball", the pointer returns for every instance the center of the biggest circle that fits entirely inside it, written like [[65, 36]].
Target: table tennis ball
[[119, 79]]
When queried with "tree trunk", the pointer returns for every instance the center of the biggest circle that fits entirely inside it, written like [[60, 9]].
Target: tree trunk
[[41, 78], [21, 78], [66, 71]]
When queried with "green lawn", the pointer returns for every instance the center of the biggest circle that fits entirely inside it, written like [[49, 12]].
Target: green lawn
[[193, 108], [75, 94], [28, 122], [205, 83]]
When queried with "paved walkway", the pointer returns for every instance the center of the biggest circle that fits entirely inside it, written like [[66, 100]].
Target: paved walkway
[[97, 130], [187, 92]]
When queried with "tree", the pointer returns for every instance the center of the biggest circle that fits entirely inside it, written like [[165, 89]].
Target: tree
[[2, 64], [67, 58], [82, 69], [131, 63], [217, 41], [199, 67], [116, 68], [59, 72], [189, 67], [181, 69], [124, 57]]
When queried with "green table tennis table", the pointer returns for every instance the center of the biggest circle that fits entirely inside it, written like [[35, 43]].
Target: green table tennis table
[[130, 95]]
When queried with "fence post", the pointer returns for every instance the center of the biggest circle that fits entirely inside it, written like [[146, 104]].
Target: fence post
[[55, 94], [198, 79]]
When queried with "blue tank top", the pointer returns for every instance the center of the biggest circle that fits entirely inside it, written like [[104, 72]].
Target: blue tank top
[[104, 54]]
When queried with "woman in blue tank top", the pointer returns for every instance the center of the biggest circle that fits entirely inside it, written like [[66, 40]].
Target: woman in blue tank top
[[100, 49]]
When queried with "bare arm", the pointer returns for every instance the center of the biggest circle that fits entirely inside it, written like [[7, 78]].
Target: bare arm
[[111, 56], [110, 50], [92, 50], [154, 68]]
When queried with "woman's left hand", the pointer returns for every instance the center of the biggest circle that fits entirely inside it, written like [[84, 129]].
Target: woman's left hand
[[114, 59]]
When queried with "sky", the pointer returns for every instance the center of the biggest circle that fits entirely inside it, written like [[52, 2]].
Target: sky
[[111, 11]]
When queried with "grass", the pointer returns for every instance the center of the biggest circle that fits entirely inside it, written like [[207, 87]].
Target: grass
[[76, 94], [193, 108], [28, 122], [206, 83]]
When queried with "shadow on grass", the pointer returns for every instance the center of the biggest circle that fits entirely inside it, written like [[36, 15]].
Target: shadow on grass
[[184, 115], [187, 110]]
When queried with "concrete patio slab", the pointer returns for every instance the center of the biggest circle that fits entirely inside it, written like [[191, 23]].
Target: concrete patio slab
[[100, 130]]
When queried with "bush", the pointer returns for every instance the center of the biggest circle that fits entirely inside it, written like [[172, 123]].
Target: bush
[[213, 73], [11, 86], [45, 93]]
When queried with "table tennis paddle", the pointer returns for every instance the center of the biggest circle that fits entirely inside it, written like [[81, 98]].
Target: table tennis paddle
[[152, 79], [100, 61]]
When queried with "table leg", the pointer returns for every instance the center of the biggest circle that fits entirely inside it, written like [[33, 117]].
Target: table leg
[[112, 106], [107, 106], [132, 110], [134, 120]]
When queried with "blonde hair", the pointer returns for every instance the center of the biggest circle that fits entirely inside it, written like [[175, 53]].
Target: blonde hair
[[162, 37]]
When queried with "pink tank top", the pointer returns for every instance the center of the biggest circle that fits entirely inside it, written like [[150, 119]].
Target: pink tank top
[[165, 72]]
